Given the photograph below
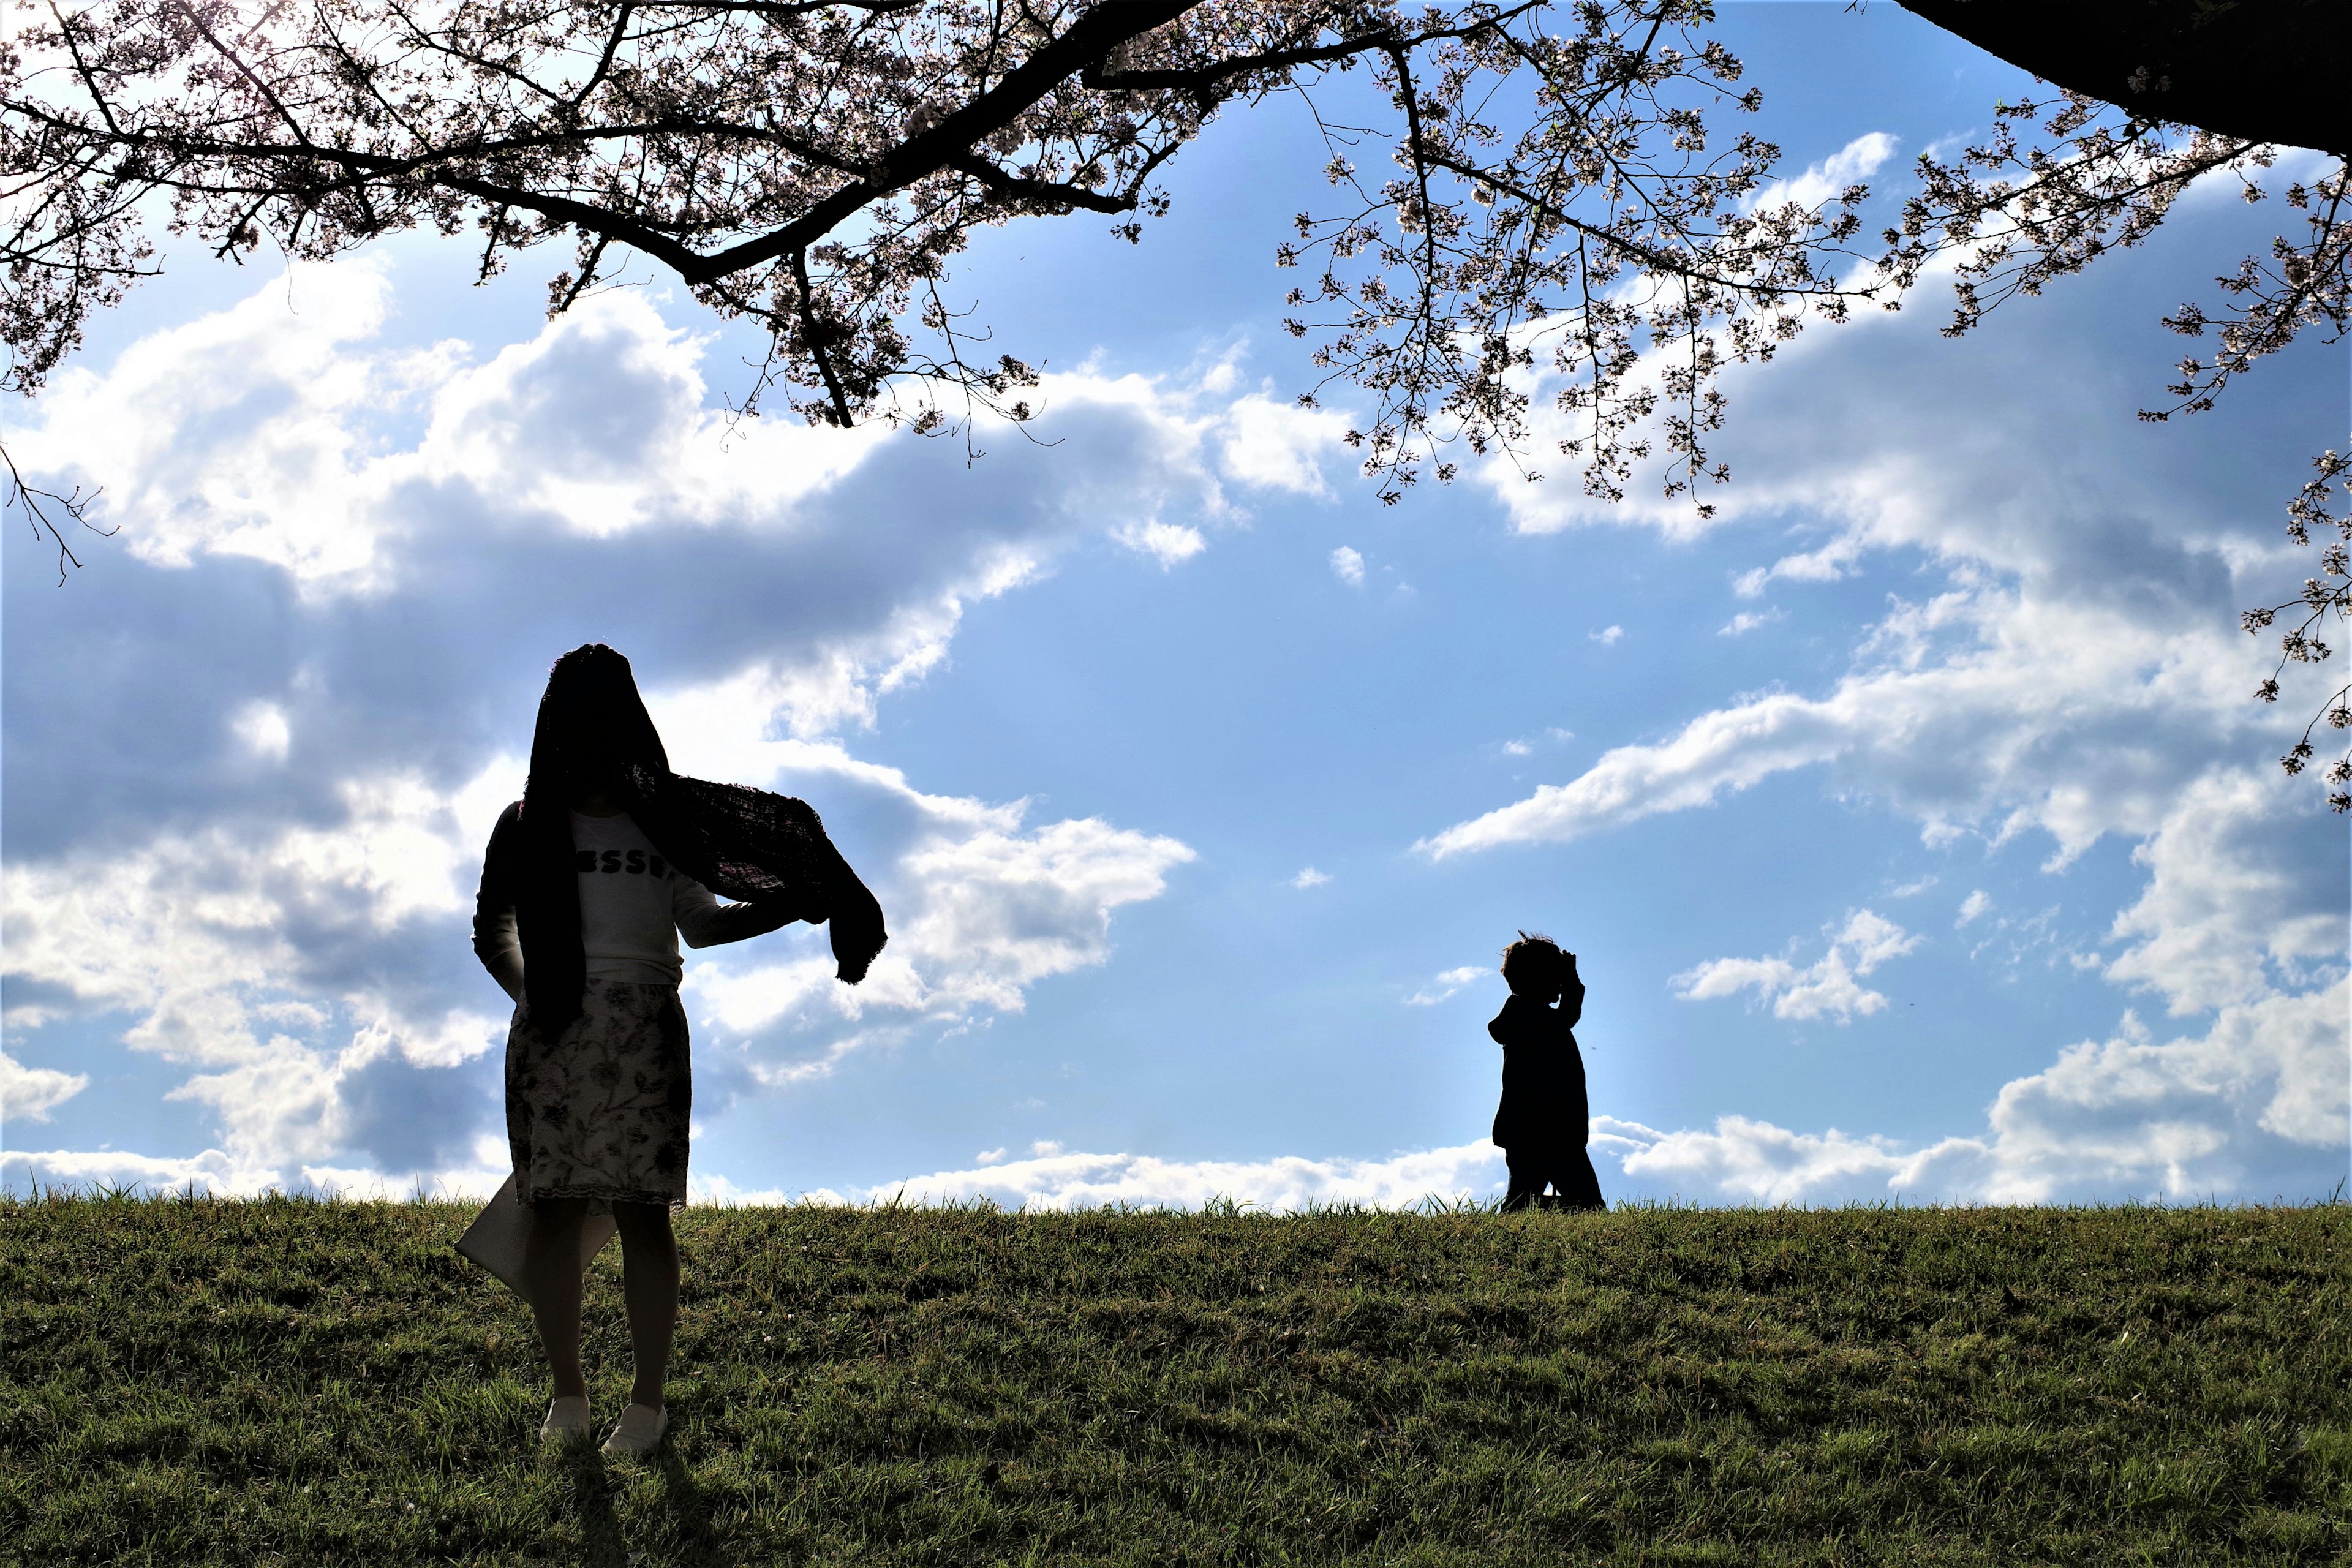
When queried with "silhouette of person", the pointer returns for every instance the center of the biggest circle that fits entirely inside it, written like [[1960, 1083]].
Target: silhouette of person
[[588, 883], [1544, 1122]]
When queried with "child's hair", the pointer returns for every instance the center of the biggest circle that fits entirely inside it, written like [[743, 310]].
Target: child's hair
[[1536, 952]]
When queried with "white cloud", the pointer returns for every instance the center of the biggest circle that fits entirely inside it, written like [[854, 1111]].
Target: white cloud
[[1828, 987], [211, 1172], [1608, 637], [597, 428], [982, 905], [475, 1174], [1279, 446], [1310, 878], [30, 1094], [256, 953], [2076, 675], [1347, 565], [1746, 1161], [263, 729], [978, 916], [2229, 912], [1165, 543], [1980, 708], [1446, 984], [195, 934], [192, 930], [1974, 905], [1747, 621], [1525, 746], [1053, 1180], [208, 937], [2232, 1110], [990, 1157], [1855, 162], [999, 911], [308, 487]]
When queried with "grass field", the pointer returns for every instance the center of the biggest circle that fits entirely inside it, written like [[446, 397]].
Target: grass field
[[193, 1382]]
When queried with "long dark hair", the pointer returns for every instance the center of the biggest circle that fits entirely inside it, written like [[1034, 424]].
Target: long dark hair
[[594, 732]]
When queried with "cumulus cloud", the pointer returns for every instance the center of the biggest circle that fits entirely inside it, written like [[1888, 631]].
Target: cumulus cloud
[[1747, 621], [1445, 985], [1975, 709], [1828, 987], [263, 728], [1310, 878], [30, 1094], [1855, 162], [598, 423], [257, 838], [261, 957], [2239, 1109], [211, 939], [211, 1172], [1347, 565], [2231, 909], [2069, 669], [1608, 637], [401, 483], [1052, 1180], [982, 907], [1165, 543], [1278, 445], [474, 1174]]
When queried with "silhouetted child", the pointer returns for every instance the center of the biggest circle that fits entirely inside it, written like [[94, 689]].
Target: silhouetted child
[[1544, 1122]]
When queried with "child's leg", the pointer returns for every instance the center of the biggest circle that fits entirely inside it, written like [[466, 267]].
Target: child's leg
[[1527, 1179], [1580, 1188]]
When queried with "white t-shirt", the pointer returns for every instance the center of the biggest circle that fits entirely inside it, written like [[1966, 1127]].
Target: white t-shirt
[[632, 902], [633, 905]]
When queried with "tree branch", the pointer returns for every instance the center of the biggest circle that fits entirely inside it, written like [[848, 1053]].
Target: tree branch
[[1091, 37], [1055, 192], [30, 497]]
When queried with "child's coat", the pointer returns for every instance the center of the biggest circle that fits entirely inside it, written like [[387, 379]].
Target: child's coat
[[1544, 1098]]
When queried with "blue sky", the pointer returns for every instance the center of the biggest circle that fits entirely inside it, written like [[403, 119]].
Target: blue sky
[[1911, 819]]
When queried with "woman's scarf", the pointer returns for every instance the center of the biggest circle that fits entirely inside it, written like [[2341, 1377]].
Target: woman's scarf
[[740, 842]]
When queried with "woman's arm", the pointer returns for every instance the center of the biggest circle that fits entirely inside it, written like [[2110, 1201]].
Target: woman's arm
[[496, 942], [704, 921]]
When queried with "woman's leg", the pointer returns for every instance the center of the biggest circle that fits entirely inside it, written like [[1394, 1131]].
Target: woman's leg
[[551, 1262], [649, 1286]]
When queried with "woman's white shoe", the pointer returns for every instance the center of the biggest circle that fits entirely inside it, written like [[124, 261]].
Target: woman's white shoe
[[566, 1417], [640, 1431]]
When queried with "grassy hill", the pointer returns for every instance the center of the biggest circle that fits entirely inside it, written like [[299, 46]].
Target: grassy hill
[[199, 1382]]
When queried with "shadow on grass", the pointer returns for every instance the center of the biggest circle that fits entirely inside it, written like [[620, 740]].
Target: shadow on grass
[[601, 1545], [685, 1529], [695, 1529]]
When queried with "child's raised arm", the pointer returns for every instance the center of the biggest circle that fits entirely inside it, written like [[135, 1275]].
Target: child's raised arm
[[1571, 991]]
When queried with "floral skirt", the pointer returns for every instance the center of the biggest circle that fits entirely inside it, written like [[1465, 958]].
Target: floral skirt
[[600, 1111]]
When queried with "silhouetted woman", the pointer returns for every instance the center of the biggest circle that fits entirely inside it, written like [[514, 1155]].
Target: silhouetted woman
[[587, 883]]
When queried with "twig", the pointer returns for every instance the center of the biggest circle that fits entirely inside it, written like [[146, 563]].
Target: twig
[[75, 506]]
